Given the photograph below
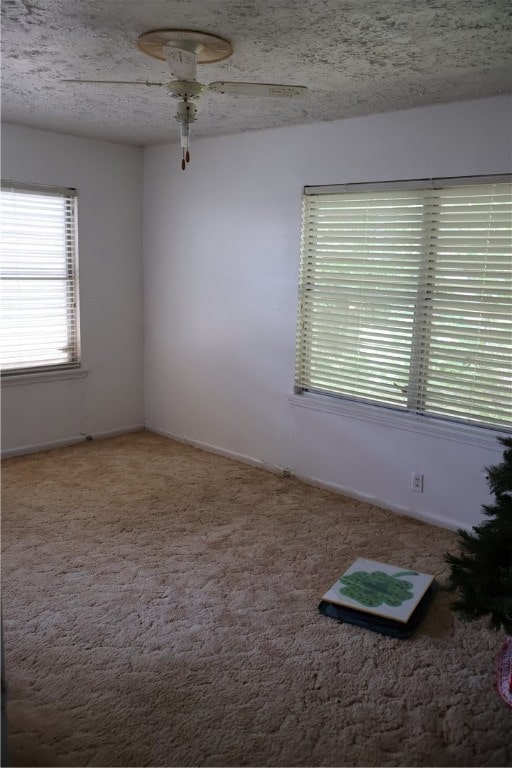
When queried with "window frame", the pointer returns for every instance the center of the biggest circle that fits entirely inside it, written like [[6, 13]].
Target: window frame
[[455, 428], [73, 367]]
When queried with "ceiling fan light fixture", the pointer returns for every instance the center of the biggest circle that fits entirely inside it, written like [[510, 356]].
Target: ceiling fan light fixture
[[186, 112]]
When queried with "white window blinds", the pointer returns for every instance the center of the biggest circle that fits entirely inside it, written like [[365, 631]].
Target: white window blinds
[[405, 299], [39, 296]]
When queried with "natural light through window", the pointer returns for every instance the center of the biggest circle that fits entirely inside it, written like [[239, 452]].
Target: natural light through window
[[405, 298], [39, 296]]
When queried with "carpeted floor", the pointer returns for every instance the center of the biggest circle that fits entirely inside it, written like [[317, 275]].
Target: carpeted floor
[[160, 609]]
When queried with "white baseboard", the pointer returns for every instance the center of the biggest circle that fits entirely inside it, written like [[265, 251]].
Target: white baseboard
[[244, 459], [437, 520], [216, 449], [65, 441]]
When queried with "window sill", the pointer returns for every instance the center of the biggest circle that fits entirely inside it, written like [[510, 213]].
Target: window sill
[[460, 433], [43, 377]]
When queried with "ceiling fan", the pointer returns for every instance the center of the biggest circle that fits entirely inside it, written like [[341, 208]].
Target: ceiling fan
[[183, 49]]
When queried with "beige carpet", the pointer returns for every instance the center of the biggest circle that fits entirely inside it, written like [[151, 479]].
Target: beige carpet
[[160, 609]]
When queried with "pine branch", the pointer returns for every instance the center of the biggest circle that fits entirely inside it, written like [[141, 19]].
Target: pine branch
[[482, 572]]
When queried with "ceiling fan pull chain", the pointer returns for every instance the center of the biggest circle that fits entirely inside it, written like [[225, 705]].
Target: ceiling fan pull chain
[[185, 114]]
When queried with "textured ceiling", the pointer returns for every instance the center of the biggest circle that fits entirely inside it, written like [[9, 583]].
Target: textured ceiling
[[356, 57]]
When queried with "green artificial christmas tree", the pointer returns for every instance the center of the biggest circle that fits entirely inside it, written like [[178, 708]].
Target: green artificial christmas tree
[[482, 572]]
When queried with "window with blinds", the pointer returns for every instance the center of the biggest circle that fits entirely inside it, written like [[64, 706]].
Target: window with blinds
[[39, 290], [405, 298]]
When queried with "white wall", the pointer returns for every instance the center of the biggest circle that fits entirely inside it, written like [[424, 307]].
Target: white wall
[[221, 257], [108, 178]]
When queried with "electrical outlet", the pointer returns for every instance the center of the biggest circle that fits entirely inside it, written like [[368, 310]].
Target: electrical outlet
[[417, 482]]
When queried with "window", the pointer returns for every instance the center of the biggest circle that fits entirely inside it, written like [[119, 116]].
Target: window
[[405, 298], [39, 290]]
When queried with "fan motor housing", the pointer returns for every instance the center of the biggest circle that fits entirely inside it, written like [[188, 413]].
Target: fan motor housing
[[185, 89]]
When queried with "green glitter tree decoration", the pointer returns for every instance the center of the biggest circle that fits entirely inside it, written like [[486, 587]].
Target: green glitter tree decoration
[[482, 572]]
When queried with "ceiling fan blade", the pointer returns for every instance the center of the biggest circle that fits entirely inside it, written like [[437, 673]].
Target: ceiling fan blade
[[257, 89], [114, 82]]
